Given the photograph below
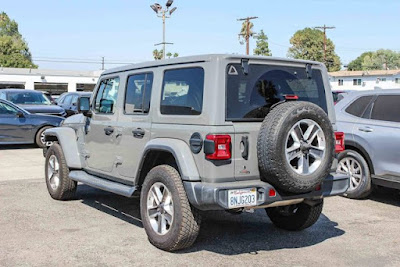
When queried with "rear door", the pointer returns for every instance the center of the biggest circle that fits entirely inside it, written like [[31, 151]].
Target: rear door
[[101, 139], [134, 123], [250, 98], [381, 130]]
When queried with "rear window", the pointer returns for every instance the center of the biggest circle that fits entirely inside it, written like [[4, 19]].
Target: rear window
[[182, 92], [250, 97], [358, 107]]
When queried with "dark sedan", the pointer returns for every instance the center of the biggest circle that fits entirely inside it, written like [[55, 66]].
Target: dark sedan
[[32, 101], [18, 126]]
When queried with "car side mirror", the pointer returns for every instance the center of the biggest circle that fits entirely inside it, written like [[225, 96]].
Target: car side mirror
[[74, 104], [20, 114], [84, 106]]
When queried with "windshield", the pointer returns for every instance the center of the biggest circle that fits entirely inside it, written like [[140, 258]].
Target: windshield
[[28, 98], [250, 97]]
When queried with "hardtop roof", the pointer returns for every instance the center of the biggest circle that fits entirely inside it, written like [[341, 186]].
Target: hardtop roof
[[202, 58]]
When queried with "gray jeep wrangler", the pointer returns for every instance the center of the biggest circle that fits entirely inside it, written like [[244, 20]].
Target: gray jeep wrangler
[[212, 132]]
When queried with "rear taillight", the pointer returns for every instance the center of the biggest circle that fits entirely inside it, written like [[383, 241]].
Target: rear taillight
[[339, 142], [219, 147]]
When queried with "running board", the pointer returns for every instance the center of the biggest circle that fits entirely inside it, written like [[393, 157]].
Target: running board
[[106, 185], [387, 181]]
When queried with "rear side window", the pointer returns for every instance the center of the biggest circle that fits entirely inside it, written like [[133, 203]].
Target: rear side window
[[106, 97], [386, 108], [7, 109], [138, 93], [358, 107], [250, 97], [182, 91]]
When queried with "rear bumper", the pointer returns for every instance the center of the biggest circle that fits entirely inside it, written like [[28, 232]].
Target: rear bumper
[[214, 196]]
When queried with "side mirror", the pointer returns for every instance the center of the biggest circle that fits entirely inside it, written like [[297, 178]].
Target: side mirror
[[74, 104], [84, 106]]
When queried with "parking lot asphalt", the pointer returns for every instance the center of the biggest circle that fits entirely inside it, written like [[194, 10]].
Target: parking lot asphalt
[[102, 229]]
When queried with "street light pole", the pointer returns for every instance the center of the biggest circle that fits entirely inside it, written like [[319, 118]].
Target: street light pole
[[163, 11]]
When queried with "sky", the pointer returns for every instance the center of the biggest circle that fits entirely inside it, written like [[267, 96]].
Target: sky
[[125, 31]]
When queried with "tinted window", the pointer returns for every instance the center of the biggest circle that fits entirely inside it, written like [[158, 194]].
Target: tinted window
[[386, 108], [138, 93], [67, 100], [7, 109], [357, 108], [250, 97], [107, 96], [182, 92]]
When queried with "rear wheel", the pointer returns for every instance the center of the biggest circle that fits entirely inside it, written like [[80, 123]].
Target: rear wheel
[[168, 218], [40, 137], [352, 163], [295, 217]]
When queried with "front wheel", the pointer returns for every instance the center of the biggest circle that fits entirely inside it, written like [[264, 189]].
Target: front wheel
[[169, 220], [59, 185], [295, 217], [40, 138]]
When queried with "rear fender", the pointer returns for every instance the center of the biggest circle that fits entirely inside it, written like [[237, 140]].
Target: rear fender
[[181, 152]]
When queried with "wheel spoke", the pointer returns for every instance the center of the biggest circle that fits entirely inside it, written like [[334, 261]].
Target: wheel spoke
[[295, 155], [154, 197], [298, 132], [306, 164], [316, 152], [159, 223], [152, 212], [168, 218], [295, 146], [310, 130]]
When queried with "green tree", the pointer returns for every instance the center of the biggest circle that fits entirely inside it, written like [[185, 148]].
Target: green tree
[[358, 62], [309, 44], [243, 32], [262, 48], [176, 55], [14, 51], [158, 54], [378, 60], [169, 54]]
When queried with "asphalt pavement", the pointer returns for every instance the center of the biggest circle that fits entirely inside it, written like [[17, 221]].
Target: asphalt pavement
[[102, 229]]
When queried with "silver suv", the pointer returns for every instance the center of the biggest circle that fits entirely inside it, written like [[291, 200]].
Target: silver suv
[[213, 132], [371, 123]]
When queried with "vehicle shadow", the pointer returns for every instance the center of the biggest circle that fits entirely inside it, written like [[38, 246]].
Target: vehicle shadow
[[13, 147], [386, 196], [221, 232]]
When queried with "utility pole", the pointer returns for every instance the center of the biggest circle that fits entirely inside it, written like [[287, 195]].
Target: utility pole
[[162, 13], [247, 35], [102, 63], [324, 28]]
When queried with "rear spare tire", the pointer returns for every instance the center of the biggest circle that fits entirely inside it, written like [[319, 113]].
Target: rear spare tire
[[295, 147]]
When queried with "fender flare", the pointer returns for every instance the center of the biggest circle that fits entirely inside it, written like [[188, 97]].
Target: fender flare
[[181, 152], [66, 137]]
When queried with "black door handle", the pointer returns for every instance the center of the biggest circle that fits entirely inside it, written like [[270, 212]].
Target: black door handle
[[138, 133], [108, 130]]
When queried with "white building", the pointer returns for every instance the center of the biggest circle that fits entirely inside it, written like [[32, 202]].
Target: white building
[[53, 81], [365, 80]]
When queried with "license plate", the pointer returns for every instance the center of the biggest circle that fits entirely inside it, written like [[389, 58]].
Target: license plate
[[239, 198]]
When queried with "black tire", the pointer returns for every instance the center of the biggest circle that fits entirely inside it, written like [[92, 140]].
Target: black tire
[[295, 217], [364, 188], [38, 140], [185, 225], [65, 189], [272, 143]]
